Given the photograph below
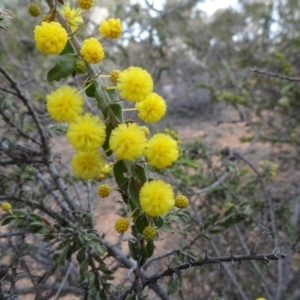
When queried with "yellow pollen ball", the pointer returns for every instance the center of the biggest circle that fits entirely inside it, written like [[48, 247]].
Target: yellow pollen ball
[[87, 165], [121, 225], [181, 201], [87, 132], [50, 38], [92, 51], [161, 150], [135, 84], [65, 104], [86, 4], [156, 198], [6, 207], [128, 141], [152, 109], [111, 28], [104, 190]]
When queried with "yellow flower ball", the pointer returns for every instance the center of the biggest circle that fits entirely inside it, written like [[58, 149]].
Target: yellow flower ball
[[6, 207], [111, 28], [128, 141], [152, 109], [135, 84], [86, 4], [121, 225], [87, 132], [65, 104], [181, 201], [72, 15], [156, 198], [34, 10], [92, 51], [87, 165], [104, 190], [149, 233], [161, 151], [50, 38], [114, 75]]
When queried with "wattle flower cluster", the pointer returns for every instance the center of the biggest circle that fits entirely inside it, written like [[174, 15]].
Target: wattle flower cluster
[[89, 133]]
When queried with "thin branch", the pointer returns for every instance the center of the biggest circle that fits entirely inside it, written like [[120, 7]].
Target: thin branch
[[273, 74], [221, 179], [265, 258], [63, 282]]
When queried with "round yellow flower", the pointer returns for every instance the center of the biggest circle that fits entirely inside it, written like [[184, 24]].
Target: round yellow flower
[[114, 75], [86, 4], [34, 10], [181, 201], [149, 233], [135, 84], [6, 207], [161, 150], [72, 15], [87, 132], [104, 190], [92, 51], [152, 109], [111, 28], [156, 198], [65, 104], [87, 165], [128, 141], [50, 38], [121, 225]]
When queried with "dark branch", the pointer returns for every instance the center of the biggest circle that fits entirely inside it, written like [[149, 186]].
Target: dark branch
[[273, 74], [276, 255]]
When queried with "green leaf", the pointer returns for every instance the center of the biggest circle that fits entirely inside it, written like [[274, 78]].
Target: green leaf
[[150, 248], [159, 221], [70, 250], [133, 191], [167, 228], [119, 171], [112, 94], [97, 286], [217, 229], [116, 108], [133, 250], [84, 269], [68, 49], [212, 219], [141, 223], [230, 210], [36, 217], [80, 255], [62, 245], [64, 67], [101, 101], [140, 173], [91, 90], [7, 220], [143, 254]]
